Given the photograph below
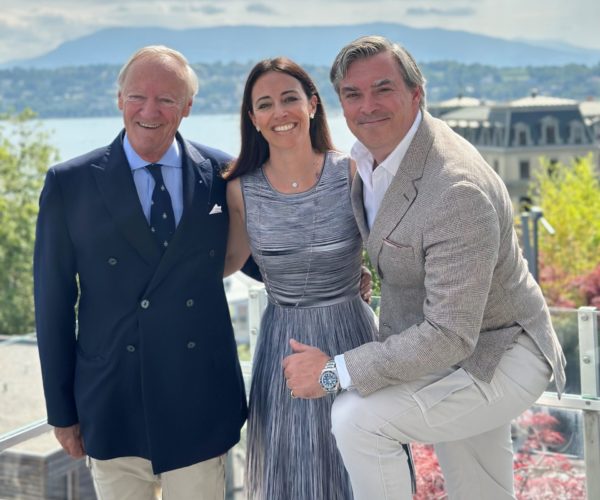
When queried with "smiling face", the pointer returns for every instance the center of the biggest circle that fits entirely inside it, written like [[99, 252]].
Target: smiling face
[[154, 98], [281, 109], [378, 106]]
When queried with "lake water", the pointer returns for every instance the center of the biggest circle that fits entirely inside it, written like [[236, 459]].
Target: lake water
[[75, 136]]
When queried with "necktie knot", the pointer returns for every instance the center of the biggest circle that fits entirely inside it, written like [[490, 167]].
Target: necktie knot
[[155, 170]]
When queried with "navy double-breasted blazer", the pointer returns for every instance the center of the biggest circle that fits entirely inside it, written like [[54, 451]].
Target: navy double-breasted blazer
[[137, 347]]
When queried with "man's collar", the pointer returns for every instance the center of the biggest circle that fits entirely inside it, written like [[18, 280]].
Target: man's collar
[[171, 158], [365, 161]]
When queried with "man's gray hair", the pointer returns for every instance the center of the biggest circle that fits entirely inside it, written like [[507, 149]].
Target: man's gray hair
[[158, 52], [369, 46]]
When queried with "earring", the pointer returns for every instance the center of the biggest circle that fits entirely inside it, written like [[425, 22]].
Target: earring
[[258, 129], [312, 115]]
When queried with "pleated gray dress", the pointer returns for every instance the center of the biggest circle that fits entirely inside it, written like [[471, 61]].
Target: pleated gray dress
[[308, 248]]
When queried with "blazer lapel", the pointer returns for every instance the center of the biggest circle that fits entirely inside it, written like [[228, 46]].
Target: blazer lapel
[[402, 191], [115, 182], [358, 206], [197, 184]]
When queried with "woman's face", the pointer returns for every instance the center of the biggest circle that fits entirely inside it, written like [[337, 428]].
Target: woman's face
[[281, 110]]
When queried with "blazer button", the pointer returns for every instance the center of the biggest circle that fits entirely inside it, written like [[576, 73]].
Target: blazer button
[[112, 261], [211, 253], [191, 345], [189, 302], [130, 348], [145, 304]]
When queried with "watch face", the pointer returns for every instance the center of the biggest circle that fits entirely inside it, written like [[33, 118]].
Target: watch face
[[329, 380]]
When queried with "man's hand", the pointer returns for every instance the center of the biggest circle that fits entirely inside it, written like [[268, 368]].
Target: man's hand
[[303, 369], [70, 439], [366, 284]]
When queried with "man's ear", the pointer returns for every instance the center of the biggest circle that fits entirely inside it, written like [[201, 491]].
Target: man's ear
[[418, 94], [188, 107]]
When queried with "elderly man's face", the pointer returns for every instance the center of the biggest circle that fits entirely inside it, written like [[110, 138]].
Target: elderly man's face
[[154, 99], [378, 106]]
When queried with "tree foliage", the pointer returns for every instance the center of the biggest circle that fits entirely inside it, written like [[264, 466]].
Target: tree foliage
[[24, 157], [569, 196]]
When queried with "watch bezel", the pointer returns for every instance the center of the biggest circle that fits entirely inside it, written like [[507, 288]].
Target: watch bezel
[[329, 379]]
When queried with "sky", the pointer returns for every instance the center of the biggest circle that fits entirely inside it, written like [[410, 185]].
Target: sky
[[30, 28]]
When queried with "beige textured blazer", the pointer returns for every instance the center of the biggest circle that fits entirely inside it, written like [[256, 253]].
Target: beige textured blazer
[[455, 289]]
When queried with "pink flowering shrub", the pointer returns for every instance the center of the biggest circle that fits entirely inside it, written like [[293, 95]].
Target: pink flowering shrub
[[539, 472]]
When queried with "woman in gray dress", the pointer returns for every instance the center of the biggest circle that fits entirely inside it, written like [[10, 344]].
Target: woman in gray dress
[[289, 204]]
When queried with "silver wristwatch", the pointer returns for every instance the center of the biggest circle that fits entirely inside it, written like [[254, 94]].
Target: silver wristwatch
[[329, 379]]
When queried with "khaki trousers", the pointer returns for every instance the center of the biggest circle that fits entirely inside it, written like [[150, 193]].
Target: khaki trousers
[[131, 478], [467, 420]]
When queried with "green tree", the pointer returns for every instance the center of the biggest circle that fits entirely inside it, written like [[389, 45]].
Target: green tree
[[569, 196], [25, 155]]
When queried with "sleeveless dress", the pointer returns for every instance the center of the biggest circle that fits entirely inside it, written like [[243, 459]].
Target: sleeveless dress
[[308, 248]]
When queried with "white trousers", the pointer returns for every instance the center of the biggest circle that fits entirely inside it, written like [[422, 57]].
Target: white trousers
[[131, 478], [467, 420]]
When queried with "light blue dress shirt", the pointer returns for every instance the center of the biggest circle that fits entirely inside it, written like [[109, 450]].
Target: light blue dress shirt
[[144, 182]]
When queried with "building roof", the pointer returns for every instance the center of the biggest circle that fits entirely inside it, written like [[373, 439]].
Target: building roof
[[536, 100], [590, 110], [533, 115], [479, 113], [459, 102]]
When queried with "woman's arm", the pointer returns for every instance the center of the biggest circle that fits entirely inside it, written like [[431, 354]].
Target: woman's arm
[[238, 249]]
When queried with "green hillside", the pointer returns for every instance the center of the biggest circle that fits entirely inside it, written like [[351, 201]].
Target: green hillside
[[85, 91]]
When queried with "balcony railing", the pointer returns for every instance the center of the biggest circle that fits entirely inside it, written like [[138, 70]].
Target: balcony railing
[[32, 465]]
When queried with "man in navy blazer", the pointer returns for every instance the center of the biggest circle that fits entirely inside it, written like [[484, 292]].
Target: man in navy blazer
[[138, 356]]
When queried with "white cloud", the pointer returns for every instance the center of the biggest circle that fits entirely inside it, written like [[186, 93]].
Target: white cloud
[[33, 27], [434, 11], [260, 8]]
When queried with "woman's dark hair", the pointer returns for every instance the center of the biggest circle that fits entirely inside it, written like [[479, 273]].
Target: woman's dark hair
[[255, 149]]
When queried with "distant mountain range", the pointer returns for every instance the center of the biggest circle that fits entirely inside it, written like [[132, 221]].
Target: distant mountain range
[[316, 45]]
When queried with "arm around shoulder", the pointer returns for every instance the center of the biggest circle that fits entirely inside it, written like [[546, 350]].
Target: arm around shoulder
[[238, 248]]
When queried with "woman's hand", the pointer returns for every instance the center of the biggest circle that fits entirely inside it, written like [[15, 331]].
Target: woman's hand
[[366, 284]]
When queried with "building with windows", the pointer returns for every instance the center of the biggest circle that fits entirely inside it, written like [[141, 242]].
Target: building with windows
[[590, 110], [517, 137]]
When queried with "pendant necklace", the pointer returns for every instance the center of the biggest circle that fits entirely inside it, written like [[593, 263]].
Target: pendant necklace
[[295, 184]]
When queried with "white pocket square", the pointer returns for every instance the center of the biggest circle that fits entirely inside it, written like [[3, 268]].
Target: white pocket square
[[215, 210]]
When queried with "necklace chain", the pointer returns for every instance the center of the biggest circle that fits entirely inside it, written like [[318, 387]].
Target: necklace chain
[[295, 183]]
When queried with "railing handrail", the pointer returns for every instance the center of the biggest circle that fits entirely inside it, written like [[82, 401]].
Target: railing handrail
[[18, 436]]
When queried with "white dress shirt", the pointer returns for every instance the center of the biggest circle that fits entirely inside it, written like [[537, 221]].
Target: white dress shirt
[[376, 181]]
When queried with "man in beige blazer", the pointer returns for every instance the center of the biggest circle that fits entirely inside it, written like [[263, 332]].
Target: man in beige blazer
[[466, 343]]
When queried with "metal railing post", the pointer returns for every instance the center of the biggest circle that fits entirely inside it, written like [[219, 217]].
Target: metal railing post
[[536, 213], [257, 301], [533, 216], [589, 363], [526, 241]]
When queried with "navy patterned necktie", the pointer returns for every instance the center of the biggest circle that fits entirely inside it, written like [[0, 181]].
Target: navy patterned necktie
[[162, 220]]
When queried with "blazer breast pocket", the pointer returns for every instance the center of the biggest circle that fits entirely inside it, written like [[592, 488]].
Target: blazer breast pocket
[[397, 263]]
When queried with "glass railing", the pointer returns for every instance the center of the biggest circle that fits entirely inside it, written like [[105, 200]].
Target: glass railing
[[556, 451]]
